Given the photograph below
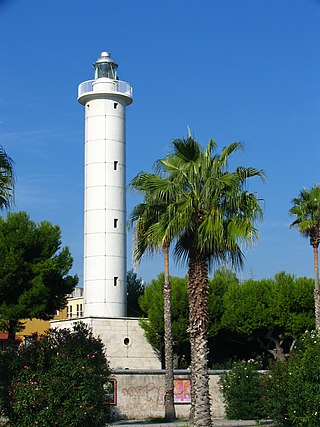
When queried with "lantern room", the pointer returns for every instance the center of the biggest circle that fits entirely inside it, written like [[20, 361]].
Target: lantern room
[[105, 67]]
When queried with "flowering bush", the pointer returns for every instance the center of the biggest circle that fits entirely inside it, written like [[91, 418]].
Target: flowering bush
[[242, 391], [294, 388], [56, 381], [289, 393], [275, 392]]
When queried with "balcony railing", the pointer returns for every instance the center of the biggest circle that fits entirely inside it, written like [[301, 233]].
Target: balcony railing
[[113, 86]]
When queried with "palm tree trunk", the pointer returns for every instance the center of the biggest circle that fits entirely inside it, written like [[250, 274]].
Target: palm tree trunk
[[198, 320], [316, 267], [316, 287], [170, 412], [193, 383]]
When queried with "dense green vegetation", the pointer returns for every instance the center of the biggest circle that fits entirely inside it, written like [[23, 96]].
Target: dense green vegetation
[[135, 289], [289, 393], [34, 280], [57, 380], [255, 319], [243, 393]]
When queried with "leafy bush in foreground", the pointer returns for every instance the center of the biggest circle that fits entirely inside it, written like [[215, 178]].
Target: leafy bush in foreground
[[57, 380], [297, 400], [289, 393], [242, 391]]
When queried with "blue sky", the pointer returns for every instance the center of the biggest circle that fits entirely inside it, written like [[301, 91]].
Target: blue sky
[[243, 70]]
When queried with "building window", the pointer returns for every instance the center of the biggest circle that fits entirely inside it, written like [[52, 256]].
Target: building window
[[115, 223], [115, 281], [69, 311], [79, 310], [115, 165], [115, 105]]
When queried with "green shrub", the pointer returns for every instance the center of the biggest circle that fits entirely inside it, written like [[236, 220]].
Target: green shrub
[[289, 394], [294, 389], [56, 381], [275, 392], [242, 392]]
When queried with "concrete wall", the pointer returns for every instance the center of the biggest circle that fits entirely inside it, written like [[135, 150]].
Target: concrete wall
[[139, 394], [126, 345]]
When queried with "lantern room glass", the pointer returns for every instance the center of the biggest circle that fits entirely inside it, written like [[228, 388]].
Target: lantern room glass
[[106, 69]]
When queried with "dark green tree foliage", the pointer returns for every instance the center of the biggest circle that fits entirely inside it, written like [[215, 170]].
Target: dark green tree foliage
[[135, 290], [34, 278], [272, 313], [151, 304], [218, 286], [57, 380], [224, 345], [255, 319]]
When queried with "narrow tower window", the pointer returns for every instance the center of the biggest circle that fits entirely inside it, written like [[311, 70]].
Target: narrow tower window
[[115, 223], [115, 165], [115, 281], [115, 105]]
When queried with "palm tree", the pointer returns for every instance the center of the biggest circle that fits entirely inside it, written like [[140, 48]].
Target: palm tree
[[208, 215], [214, 215], [6, 179], [145, 217], [306, 209]]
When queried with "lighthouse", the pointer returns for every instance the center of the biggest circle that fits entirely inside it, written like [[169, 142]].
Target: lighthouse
[[105, 100]]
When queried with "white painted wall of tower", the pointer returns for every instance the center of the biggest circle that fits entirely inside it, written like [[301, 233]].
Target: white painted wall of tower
[[105, 197]]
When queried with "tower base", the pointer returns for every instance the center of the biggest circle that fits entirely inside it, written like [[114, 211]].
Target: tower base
[[124, 340]]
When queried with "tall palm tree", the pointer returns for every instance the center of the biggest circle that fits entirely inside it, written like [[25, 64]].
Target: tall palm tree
[[208, 215], [6, 179], [306, 209], [145, 217]]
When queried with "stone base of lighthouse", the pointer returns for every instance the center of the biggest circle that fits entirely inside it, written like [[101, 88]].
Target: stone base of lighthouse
[[123, 337]]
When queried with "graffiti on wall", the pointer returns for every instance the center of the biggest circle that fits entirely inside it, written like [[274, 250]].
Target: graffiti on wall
[[149, 391], [138, 399]]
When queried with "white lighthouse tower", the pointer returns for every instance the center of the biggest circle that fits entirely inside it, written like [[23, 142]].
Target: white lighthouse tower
[[105, 100]]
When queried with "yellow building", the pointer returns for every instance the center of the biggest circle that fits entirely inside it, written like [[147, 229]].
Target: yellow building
[[73, 310]]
